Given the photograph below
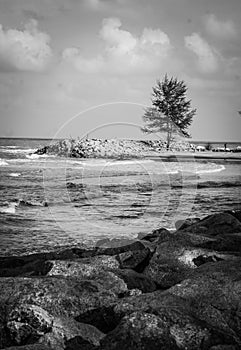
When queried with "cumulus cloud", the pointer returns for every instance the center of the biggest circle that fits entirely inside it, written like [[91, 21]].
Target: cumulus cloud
[[221, 29], [123, 51], [26, 50], [207, 56]]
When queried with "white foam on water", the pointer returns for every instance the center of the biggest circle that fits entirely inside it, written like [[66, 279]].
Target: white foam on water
[[104, 162], [215, 170], [3, 162], [14, 174], [10, 209], [18, 150], [39, 156]]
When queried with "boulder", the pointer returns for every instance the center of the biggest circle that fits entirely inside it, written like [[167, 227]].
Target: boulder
[[85, 267], [182, 224], [27, 323], [201, 311], [136, 260], [139, 331], [216, 224], [176, 257], [29, 347], [160, 233], [136, 280], [65, 329], [34, 264], [235, 213]]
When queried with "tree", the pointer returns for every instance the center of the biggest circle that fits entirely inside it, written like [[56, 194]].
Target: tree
[[170, 112]]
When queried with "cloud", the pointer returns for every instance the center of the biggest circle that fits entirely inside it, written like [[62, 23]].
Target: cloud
[[73, 56], [118, 41], [218, 28], [123, 52], [26, 50], [207, 56]]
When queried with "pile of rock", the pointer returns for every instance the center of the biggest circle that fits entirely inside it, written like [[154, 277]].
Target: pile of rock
[[100, 148], [178, 290]]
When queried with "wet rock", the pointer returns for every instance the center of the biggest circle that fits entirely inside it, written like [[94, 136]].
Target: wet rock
[[29, 347], [85, 268], [120, 248], [208, 303], [65, 329], [235, 213], [136, 260], [104, 318], [203, 259], [221, 223], [57, 295], [174, 259], [78, 343], [139, 331], [225, 243], [223, 347], [27, 323], [34, 264], [158, 234], [136, 280], [182, 224]]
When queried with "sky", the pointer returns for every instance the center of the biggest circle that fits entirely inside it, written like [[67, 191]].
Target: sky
[[87, 67]]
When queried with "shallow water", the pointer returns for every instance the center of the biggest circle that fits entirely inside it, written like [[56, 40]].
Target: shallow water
[[93, 199]]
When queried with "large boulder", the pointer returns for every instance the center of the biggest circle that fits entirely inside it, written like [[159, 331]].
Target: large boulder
[[85, 267], [201, 312], [177, 256], [34, 264], [42, 296], [65, 329], [29, 347], [216, 224], [139, 331]]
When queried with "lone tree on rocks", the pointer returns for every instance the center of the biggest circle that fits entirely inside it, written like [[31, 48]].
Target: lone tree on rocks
[[170, 112]]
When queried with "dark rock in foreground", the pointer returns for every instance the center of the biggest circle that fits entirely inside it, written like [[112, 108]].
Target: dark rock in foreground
[[178, 290]]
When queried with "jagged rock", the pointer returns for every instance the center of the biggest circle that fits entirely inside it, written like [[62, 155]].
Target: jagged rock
[[208, 304], [78, 343], [216, 224], [225, 243], [158, 234], [136, 280], [139, 331], [29, 347], [235, 213], [85, 268], [57, 295], [65, 329], [182, 224], [136, 260], [27, 323], [34, 264], [174, 259]]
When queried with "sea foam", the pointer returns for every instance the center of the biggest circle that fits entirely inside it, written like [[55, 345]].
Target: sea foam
[[3, 162]]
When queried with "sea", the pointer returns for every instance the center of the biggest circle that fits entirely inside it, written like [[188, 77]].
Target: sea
[[51, 202]]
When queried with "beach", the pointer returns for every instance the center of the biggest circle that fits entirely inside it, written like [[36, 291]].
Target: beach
[[119, 253]]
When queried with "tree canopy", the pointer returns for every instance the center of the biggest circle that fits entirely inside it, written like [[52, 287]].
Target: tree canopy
[[171, 111]]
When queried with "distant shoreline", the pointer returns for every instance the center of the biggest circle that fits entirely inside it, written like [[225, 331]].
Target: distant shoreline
[[207, 155]]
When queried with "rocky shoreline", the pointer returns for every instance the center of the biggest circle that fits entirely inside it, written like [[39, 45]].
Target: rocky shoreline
[[117, 149], [179, 290]]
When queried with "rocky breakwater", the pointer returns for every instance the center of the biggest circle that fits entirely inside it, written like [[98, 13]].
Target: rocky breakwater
[[99, 148], [166, 290]]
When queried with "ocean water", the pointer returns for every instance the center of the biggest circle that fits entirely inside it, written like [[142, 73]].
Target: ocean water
[[48, 202]]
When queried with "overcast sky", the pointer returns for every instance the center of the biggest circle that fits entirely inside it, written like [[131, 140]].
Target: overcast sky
[[60, 59]]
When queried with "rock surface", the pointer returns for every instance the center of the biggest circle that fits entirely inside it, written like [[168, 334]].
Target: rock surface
[[99, 148], [179, 290]]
